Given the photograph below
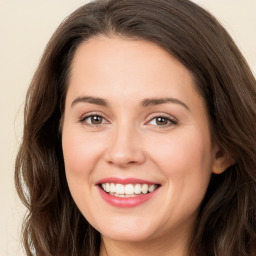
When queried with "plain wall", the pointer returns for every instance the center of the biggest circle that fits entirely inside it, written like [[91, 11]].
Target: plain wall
[[25, 28]]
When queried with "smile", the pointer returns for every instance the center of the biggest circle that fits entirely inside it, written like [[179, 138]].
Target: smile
[[128, 190]]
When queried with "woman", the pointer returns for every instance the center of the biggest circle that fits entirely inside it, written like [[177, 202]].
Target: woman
[[139, 136]]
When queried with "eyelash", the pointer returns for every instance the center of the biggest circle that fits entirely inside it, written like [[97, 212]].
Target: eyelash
[[83, 120], [170, 121]]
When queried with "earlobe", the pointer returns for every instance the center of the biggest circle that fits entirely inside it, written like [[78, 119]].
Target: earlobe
[[222, 161]]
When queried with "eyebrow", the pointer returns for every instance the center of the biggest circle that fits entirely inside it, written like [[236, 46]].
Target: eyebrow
[[91, 100], [159, 101], [145, 103]]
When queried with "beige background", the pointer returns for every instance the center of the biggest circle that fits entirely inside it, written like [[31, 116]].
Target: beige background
[[25, 28]]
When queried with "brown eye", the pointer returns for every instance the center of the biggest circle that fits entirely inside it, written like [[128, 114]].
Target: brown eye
[[162, 121], [96, 119]]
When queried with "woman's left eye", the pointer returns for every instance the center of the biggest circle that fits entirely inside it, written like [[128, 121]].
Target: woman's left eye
[[162, 121]]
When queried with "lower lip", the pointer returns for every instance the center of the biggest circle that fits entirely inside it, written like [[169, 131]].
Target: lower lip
[[126, 202]]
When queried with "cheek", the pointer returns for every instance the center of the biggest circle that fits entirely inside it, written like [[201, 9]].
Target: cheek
[[81, 154], [190, 149], [186, 162], [80, 151], [186, 165]]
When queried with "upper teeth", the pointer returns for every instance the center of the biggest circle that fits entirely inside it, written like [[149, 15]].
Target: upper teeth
[[128, 189]]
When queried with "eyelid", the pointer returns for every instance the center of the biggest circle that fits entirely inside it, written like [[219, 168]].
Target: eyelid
[[162, 114]]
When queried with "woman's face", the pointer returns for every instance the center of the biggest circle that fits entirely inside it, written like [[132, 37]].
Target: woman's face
[[136, 127]]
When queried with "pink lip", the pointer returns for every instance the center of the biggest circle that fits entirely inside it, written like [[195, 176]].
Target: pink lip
[[124, 181], [126, 202]]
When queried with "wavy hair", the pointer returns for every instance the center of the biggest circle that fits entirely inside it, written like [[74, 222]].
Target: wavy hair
[[226, 224]]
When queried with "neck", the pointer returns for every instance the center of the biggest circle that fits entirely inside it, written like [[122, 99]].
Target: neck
[[160, 246]]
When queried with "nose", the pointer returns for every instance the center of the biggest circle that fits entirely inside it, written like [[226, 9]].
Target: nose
[[125, 148]]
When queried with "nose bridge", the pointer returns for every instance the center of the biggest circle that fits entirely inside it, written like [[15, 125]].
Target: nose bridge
[[124, 146]]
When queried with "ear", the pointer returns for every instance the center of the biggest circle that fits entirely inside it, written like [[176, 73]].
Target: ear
[[61, 124], [221, 160]]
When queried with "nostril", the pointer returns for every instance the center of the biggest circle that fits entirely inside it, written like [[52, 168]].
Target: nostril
[[122, 163], [132, 162]]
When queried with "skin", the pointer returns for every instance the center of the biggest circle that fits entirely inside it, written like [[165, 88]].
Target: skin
[[179, 155]]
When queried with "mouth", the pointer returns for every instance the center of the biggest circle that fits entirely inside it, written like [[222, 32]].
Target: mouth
[[128, 190]]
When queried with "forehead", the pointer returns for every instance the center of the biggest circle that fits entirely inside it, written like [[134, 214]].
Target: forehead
[[126, 63]]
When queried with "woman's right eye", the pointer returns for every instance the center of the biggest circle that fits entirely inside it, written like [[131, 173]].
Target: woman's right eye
[[94, 120]]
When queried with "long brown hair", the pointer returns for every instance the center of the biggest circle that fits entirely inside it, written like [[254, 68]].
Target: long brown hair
[[226, 224]]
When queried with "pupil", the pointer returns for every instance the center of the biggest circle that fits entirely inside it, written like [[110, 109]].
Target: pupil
[[96, 119], [161, 121]]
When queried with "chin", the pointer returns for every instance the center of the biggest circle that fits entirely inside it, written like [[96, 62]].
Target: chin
[[127, 232], [126, 236]]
